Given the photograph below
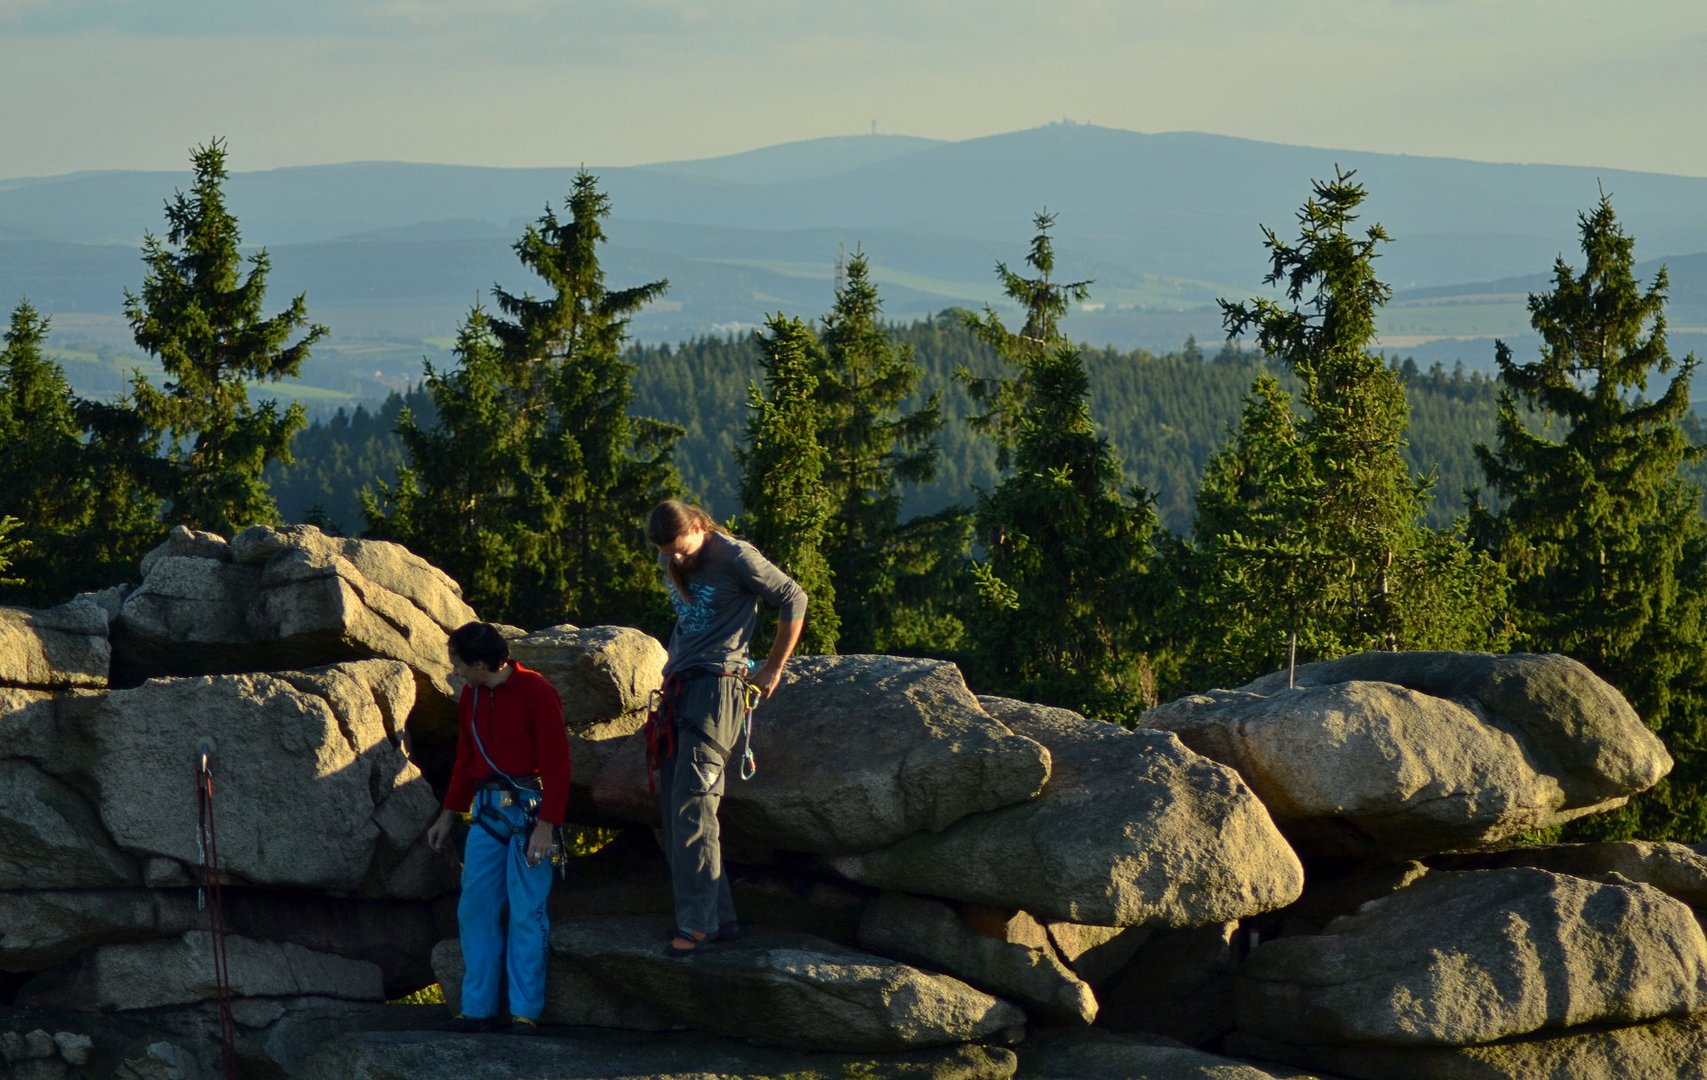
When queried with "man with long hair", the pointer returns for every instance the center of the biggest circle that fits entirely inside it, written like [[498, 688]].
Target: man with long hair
[[716, 584]]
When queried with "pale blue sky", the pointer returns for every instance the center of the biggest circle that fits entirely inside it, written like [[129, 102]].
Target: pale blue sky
[[111, 84]]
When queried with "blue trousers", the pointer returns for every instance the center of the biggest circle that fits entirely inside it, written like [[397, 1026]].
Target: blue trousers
[[496, 876]]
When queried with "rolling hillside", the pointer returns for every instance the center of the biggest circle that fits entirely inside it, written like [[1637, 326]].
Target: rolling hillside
[[391, 255]]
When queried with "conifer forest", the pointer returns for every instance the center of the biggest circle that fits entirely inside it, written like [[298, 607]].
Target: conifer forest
[[1086, 527]]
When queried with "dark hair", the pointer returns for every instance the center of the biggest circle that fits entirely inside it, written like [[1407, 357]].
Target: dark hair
[[672, 519], [480, 643]]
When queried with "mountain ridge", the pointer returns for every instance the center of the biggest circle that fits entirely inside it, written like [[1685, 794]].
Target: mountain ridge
[[395, 252]]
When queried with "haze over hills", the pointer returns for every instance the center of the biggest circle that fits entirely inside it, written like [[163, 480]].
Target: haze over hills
[[392, 255]]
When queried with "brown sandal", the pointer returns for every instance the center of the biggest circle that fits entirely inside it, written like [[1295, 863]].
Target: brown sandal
[[686, 943]]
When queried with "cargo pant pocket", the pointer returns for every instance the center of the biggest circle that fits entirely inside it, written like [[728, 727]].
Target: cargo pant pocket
[[707, 765]]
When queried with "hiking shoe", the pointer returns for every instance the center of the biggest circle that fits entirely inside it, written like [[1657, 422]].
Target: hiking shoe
[[521, 1025], [469, 1025]]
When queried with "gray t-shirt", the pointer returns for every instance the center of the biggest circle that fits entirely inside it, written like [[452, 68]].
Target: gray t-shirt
[[715, 621]]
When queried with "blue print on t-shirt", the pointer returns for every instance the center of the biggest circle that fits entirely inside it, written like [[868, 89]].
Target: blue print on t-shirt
[[695, 617]]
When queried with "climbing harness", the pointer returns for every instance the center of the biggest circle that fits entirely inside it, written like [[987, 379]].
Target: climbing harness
[[210, 898], [526, 792], [659, 730]]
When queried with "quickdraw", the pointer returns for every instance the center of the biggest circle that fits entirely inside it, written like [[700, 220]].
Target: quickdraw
[[749, 763]]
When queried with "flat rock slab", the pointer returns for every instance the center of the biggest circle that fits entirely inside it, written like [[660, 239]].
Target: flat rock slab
[[1678, 870], [786, 989], [1668, 1049], [55, 649], [573, 997], [1132, 829], [1475, 956], [583, 1054], [854, 753], [932, 934], [1410, 753], [43, 929], [151, 974], [1100, 1055]]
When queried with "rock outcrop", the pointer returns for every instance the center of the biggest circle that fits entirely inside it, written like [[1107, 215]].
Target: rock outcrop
[[56, 649], [1459, 958], [1419, 752], [605, 675], [785, 989], [1672, 1049], [591, 1055], [1132, 829], [278, 598], [923, 875], [312, 786], [854, 753], [1021, 967]]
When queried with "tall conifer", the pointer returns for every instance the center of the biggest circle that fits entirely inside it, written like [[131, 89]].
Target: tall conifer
[[545, 476], [1045, 302], [201, 316], [1311, 525], [1063, 578], [594, 470], [81, 476], [870, 449], [1593, 516], [787, 507], [39, 444], [454, 502]]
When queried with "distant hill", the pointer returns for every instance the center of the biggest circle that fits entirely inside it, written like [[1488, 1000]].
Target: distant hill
[[392, 254], [805, 160]]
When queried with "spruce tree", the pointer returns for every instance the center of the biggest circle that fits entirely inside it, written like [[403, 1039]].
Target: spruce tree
[[539, 416], [1593, 516], [1253, 507], [1045, 302], [40, 443], [201, 316], [10, 548], [594, 471], [1063, 577], [454, 502], [870, 449], [786, 505], [1310, 526], [82, 493]]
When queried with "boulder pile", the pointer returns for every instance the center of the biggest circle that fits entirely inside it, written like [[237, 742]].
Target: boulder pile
[[1313, 879]]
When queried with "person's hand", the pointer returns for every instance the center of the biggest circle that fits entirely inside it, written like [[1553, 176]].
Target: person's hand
[[539, 843], [439, 831], [766, 678]]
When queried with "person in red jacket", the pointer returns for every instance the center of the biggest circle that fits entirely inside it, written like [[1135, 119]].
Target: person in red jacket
[[512, 773]]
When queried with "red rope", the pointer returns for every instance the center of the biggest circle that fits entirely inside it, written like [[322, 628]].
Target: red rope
[[207, 836]]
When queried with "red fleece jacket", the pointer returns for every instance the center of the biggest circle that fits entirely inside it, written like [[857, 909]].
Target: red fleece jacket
[[521, 727]]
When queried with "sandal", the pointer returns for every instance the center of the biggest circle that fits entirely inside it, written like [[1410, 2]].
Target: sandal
[[686, 943]]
